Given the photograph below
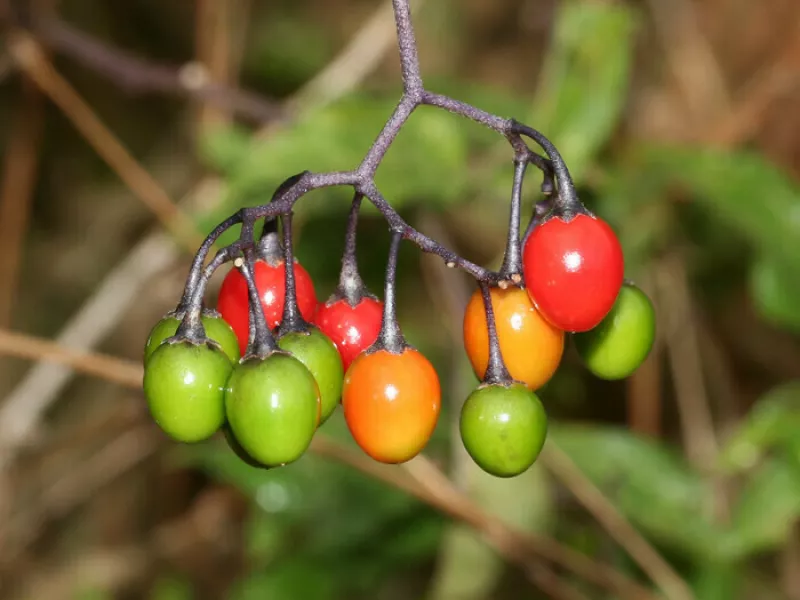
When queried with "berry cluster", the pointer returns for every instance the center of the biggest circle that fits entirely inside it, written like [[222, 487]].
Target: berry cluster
[[271, 364]]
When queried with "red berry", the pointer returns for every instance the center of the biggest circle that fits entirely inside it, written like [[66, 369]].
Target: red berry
[[353, 329], [573, 270], [271, 284]]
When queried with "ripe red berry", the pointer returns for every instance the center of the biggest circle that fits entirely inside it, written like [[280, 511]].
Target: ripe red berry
[[271, 284], [353, 329], [573, 270]]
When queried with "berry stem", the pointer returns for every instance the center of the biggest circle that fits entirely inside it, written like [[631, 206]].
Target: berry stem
[[261, 342], [390, 337], [407, 46], [191, 327], [269, 244], [351, 287], [566, 202], [496, 371], [292, 320], [512, 261], [540, 209]]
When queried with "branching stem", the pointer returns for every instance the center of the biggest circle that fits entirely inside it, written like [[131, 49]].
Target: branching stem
[[556, 178]]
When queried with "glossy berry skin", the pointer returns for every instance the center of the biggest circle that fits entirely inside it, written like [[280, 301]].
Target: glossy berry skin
[[352, 329], [234, 445], [319, 355], [621, 342], [573, 270], [503, 428], [184, 385], [272, 407], [216, 328], [391, 403], [271, 284], [530, 345]]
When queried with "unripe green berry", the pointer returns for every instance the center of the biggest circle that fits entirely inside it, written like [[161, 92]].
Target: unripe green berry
[[318, 353], [621, 342], [503, 428], [272, 407], [216, 328], [184, 385]]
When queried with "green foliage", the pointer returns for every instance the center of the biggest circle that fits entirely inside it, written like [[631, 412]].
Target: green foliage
[[585, 79], [772, 424], [769, 501], [171, 588], [651, 484], [775, 286], [313, 524]]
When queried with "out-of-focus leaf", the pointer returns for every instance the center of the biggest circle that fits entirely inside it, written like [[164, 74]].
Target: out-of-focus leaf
[[90, 593], [171, 588], [289, 50], [585, 79], [332, 513], [225, 148], [293, 580], [634, 204], [717, 582], [773, 420], [743, 188], [468, 569], [775, 287], [769, 503], [652, 486], [263, 536], [426, 162]]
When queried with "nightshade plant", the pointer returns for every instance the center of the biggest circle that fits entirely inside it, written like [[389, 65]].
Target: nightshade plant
[[563, 276]]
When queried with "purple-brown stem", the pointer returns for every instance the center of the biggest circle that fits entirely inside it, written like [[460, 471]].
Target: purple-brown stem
[[261, 342], [496, 371], [512, 261], [390, 337], [292, 320], [362, 178], [351, 287]]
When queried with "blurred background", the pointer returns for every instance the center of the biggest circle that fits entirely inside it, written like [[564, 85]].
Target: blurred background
[[130, 128]]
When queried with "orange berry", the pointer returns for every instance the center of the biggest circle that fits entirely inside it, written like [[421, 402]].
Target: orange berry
[[391, 403], [531, 346]]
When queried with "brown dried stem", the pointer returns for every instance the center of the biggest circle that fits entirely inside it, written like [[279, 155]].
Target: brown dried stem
[[32, 60]]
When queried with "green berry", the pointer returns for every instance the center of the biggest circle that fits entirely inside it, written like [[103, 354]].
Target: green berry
[[184, 385], [318, 353], [216, 328], [503, 428], [234, 445], [621, 342], [272, 407]]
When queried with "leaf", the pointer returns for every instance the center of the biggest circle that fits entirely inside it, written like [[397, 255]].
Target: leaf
[[467, 568], [773, 421], [769, 502], [585, 79], [741, 188], [717, 582], [293, 580], [224, 147], [775, 286], [171, 588], [426, 162], [652, 486]]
